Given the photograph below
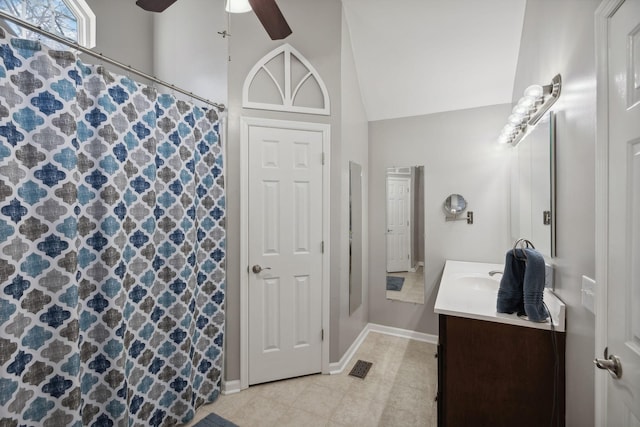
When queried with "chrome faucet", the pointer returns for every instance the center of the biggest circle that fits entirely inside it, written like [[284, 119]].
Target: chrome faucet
[[494, 272]]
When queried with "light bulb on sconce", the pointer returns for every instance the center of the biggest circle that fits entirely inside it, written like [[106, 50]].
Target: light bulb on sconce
[[509, 132], [509, 127], [237, 6], [520, 110], [517, 119], [535, 91], [529, 109], [527, 102], [503, 139]]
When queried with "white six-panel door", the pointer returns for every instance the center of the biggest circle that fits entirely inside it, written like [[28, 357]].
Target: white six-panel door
[[398, 217], [285, 259], [623, 242]]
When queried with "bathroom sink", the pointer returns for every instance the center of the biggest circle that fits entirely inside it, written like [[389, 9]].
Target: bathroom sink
[[467, 290], [477, 282]]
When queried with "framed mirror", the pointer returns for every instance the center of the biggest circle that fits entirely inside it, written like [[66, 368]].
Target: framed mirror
[[355, 236], [405, 239], [533, 187]]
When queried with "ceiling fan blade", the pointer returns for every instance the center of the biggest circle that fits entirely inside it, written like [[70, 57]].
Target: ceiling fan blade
[[271, 18], [155, 5]]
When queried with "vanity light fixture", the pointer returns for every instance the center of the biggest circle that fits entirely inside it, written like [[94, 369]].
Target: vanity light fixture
[[530, 108], [237, 6]]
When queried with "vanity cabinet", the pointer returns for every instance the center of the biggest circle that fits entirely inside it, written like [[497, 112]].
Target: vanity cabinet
[[495, 374]]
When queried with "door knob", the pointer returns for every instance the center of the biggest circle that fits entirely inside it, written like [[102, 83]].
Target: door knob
[[610, 363], [257, 269]]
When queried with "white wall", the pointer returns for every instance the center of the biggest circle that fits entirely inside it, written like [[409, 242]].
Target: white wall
[[124, 33], [460, 155], [558, 37], [179, 45], [355, 147], [188, 51]]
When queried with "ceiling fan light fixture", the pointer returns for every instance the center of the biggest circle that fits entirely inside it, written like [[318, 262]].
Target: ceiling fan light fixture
[[237, 6]]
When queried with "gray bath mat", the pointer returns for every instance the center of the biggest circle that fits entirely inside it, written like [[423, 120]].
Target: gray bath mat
[[213, 420], [394, 283]]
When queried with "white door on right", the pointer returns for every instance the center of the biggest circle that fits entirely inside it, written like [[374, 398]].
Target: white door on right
[[623, 261], [398, 218]]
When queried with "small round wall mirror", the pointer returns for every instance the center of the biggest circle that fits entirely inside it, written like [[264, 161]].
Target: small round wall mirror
[[455, 204]]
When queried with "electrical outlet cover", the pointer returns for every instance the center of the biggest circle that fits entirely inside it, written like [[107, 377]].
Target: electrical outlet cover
[[589, 294]]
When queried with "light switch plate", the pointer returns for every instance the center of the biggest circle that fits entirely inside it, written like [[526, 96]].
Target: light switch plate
[[589, 293]]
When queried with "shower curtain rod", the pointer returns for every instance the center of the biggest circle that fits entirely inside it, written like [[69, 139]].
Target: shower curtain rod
[[100, 56]]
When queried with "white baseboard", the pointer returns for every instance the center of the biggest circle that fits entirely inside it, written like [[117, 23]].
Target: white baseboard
[[403, 333], [415, 268], [338, 367], [230, 387]]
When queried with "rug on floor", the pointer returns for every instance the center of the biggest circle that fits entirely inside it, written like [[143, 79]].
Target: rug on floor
[[394, 283], [213, 420]]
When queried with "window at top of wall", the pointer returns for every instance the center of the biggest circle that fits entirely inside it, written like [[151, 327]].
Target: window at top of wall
[[71, 19]]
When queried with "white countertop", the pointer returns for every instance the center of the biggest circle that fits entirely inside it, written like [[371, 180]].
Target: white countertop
[[467, 290]]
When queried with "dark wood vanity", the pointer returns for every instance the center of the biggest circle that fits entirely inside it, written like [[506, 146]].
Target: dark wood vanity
[[493, 374]]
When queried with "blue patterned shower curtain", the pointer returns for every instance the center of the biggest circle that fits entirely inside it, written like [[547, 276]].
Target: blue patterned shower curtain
[[112, 246]]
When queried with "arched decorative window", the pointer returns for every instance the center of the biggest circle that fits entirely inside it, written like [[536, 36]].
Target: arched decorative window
[[283, 80], [72, 19]]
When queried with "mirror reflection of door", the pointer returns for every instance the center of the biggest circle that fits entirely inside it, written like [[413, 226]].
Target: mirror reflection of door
[[398, 223], [405, 234]]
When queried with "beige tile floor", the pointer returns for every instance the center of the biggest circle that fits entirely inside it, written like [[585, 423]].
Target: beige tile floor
[[399, 390], [412, 289]]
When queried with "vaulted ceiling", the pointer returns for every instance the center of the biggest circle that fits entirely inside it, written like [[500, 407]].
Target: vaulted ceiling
[[417, 57]]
